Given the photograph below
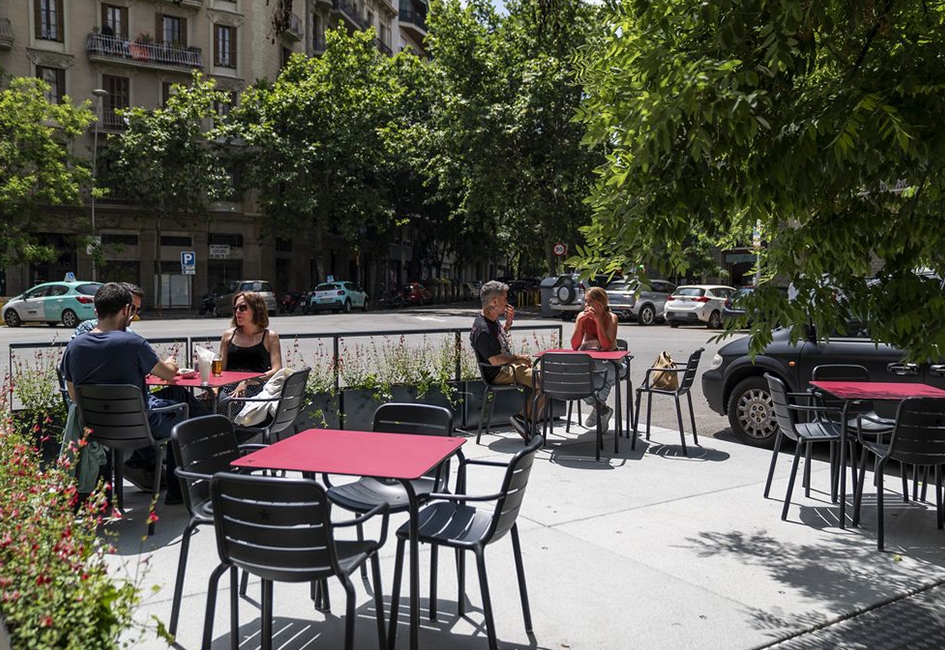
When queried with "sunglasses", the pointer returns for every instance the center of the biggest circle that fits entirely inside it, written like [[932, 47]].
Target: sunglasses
[[242, 308]]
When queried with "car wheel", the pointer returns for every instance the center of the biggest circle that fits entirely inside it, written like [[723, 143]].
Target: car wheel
[[751, 412], [364, 304], [69, 318], [647, 315], [12, 318], [715, 320], [674, 323], [347, 308]]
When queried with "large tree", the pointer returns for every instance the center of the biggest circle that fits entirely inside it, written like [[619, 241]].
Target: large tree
[[37, 168], [798, 117]]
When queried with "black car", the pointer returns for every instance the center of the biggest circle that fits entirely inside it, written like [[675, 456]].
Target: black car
[[735, 384]]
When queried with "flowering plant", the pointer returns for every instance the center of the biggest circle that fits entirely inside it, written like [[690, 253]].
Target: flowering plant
[[35, 387]]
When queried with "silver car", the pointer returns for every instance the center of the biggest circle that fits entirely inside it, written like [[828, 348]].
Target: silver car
[[224, 301], [567, 296], [632, 301], [697, 303]]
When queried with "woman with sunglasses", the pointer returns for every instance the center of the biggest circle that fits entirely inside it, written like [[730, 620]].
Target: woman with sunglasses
[[249, 346]]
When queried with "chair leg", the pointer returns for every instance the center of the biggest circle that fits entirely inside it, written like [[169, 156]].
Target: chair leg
[[879, 508], [833, 472], [118, 484], [461, 583], [567, 424], [486, 601], [807, 455], [904, 477], [433, 564], [212, 590], [692, 418], [360, 534], [649, 412], [774, 460], [158, 465], [600, 437], [682, 432], [940, 519], [349, 612], [234, 611], [266, 635], [636, 418], [395, 594], [858, 498], [790, 485], [520, 572], [244, 583], [181, 570], [482, 415], [379, 602]]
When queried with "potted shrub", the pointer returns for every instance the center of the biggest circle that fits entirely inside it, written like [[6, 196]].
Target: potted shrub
[[42, 413]]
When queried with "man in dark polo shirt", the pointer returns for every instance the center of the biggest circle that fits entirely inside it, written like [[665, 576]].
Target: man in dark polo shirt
[[491, 344]]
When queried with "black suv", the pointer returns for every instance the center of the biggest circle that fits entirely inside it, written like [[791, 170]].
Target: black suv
[[735, 385]]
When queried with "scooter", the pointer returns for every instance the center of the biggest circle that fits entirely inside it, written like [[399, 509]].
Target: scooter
[[209, 304], [290, 302]]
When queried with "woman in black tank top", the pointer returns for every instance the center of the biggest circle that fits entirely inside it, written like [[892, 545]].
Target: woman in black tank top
[[248, 346]]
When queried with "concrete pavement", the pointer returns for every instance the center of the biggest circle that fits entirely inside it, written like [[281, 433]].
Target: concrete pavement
[[645, 549]]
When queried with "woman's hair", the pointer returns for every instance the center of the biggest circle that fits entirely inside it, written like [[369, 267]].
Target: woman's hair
[[598, 295], [257, 304]]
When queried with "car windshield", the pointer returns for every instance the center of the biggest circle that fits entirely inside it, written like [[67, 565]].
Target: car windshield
[[690, 291], [88, 289], [326, 287]]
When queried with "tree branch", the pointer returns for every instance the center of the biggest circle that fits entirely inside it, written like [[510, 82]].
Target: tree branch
[[869, 38]]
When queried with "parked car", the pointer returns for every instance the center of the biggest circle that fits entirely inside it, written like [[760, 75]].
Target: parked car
[[224, 299], [68, 303], [631, 301], [337, 296], [697, 303], [734, 306], [734, 384], [415, 293], [469, 290], [567, 296]]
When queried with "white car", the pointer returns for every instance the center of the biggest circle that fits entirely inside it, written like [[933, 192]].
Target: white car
[[697, 303]]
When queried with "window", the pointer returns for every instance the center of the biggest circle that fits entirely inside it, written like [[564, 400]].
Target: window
[[56, 78], [222, 108], [286, 55], [47, 15], [115, 21], [385, 34], [370, 19], [172, 30], [224, 46], [118, 239], [166, 91], [175, 240], [119, 96], [234, 240]]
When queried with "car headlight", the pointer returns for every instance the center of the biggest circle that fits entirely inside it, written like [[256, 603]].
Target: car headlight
[[716, 361]]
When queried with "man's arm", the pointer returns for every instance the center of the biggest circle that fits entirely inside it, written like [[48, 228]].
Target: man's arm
[[166, 369], [71, 388]]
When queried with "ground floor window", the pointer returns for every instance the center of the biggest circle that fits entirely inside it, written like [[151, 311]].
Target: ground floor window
[[176, 289]]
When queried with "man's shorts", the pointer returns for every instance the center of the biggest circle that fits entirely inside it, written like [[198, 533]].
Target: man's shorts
[[522, 373]]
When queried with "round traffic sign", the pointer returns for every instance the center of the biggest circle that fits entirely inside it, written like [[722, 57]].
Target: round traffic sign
[[560, 249]]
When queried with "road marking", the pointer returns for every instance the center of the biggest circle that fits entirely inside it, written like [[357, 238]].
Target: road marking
[[438, 320]]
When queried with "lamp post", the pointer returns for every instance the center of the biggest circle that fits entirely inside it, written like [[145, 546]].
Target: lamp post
[[100, 94]]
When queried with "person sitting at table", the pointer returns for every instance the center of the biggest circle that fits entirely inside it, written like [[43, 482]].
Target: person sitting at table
[[248, 346], [110, 355], [490, 342], [596, 329]]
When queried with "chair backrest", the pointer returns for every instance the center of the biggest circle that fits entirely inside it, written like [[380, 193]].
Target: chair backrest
[[115, 414], [919, 435], [783, 415], [290, 402], [275, 528], [204, 445], [63, 388], [513, 489], [567, 375], [689, 375], [841, 372], [622, 345], [421, 419]]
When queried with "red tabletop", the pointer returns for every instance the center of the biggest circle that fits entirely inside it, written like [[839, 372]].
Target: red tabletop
[[355, 453], [228, 377], [601, 355], [880, 390]]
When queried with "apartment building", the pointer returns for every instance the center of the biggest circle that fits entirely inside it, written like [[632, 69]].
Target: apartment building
[[135, 50]]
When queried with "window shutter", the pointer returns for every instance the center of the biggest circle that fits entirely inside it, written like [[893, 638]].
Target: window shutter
[[104, 15], [216, 45], [125, 27], [183, 32], [233, 49], [159, 28], [37, 19], [60, 22]]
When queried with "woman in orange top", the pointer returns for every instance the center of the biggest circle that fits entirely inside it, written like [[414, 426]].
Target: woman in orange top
[[596, 329]]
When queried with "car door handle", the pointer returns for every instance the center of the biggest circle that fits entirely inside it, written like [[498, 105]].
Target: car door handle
[[937, 369], [903, 369]]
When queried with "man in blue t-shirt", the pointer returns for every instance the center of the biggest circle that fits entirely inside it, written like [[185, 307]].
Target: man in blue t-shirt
[[110, 355], [137, 297]]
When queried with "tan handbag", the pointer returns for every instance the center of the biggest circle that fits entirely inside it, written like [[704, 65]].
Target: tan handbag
[[664, 380]]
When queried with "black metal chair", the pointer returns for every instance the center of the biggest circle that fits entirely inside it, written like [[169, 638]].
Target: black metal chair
[[489, 396], [202, 447], [291, 401], [918, 438], [569, 376], [281, 530], [450, 521], [804, 434], [685, 386], [621, 345], [117, 418]]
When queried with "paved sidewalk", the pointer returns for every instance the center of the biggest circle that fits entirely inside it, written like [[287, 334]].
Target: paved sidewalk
[[645, 549]]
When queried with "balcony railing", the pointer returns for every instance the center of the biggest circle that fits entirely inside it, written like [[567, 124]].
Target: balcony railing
[[293, 30], [350, 11], [412, 17], [6, 34], [136, 53], [383, 47], [113, 122]]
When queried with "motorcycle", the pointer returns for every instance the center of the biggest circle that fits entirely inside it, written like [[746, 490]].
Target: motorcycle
[[290, 302], [209, 304]]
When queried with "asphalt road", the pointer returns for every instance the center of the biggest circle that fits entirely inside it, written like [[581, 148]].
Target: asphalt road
[[645, 343]]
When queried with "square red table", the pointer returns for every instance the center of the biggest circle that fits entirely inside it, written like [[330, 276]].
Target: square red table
[[399, 456], [851, 391], [225, 379]]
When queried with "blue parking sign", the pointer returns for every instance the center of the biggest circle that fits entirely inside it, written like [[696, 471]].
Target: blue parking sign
[[188, 258]]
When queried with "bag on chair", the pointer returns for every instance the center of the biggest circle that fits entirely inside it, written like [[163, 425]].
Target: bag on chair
[[664, 380]]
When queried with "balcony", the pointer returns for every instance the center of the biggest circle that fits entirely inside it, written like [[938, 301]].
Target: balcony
[[193, 4], [293, 31], [113, 49], [383, 47], [6, 34], [414, 22], [350, 12]]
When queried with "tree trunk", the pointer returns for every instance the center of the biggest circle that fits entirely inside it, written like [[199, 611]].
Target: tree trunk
[[157, 266]]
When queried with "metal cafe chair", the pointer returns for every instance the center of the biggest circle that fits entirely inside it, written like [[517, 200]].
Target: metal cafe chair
[[918, 438], [118, 419], [621, 345], [685, 386], [290, 403], [489, 396], [281, 531], [457, 521], [569, 376]]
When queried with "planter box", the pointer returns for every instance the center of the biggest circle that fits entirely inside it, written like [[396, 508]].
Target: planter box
[[321, 412], [360, 404], [507, 403], [47, 439]]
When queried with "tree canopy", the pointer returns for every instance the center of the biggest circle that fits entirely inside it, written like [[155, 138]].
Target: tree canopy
[[799, 118]]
